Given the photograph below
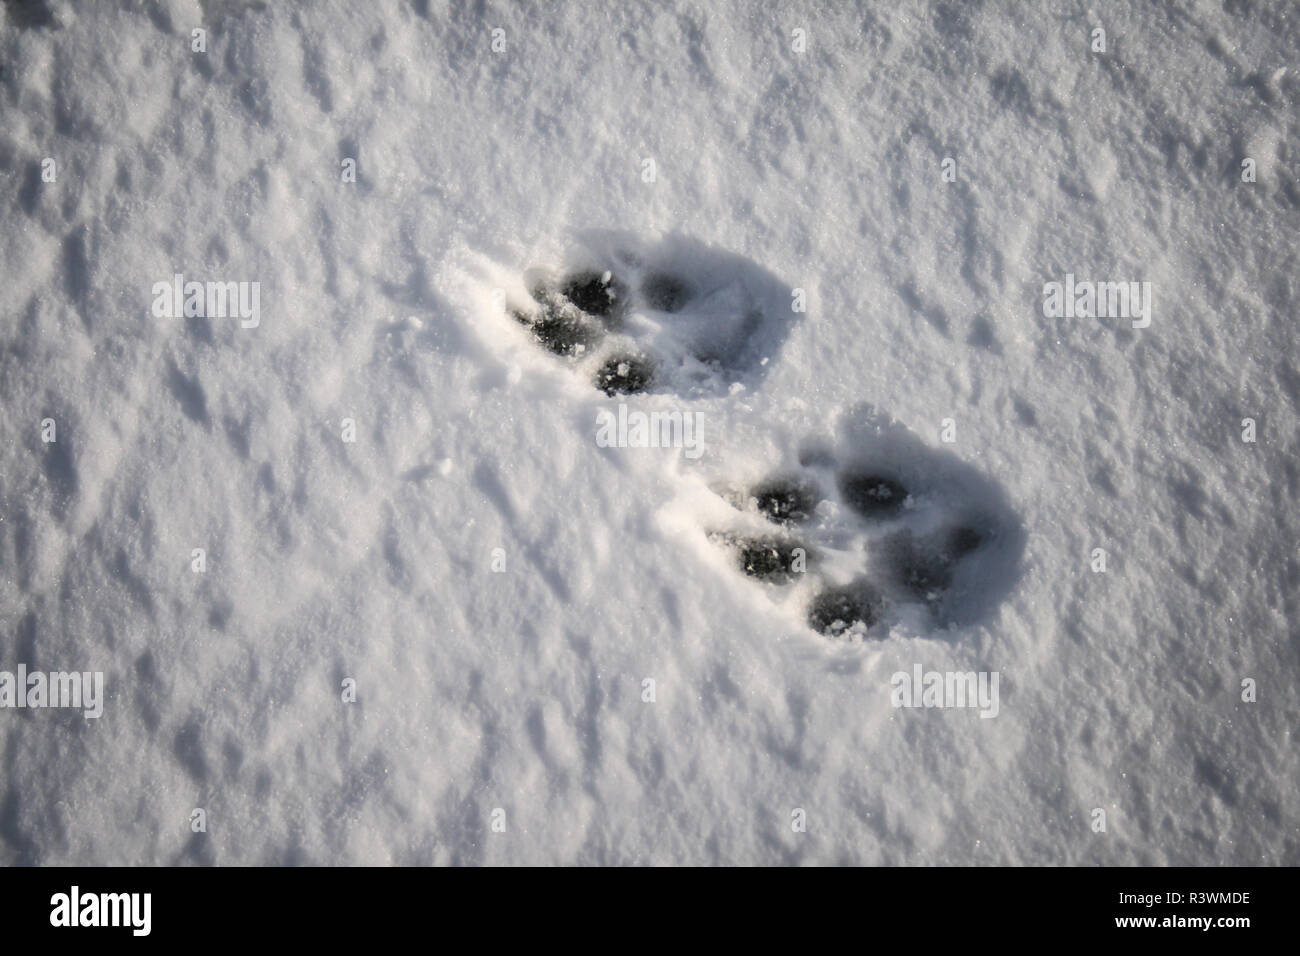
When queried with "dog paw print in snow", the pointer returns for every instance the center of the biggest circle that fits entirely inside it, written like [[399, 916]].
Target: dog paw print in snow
[[890, 532], [673, 316]]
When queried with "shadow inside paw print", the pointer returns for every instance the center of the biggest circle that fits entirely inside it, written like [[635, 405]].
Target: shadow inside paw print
[[873, 496], [785, 500], [919, 536], [625, 375], [594, 293], [766, 557], [836, 611], [675, 315]]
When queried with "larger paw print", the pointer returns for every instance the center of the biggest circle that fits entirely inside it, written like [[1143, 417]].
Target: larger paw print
[[892, 532], [677, 316]]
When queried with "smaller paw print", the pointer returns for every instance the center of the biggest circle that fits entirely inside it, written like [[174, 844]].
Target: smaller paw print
[[675, 316]]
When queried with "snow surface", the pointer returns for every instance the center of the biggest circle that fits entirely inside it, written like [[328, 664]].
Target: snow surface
[[775, 170]]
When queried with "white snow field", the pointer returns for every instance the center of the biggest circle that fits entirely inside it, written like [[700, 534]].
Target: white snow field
[[496, 585]]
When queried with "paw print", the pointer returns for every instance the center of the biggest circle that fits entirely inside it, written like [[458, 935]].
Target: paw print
[[891, 531], [674, 316]]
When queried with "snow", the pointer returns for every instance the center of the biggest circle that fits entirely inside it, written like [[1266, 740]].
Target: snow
[[522, 689]]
